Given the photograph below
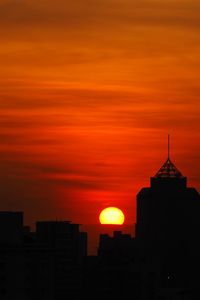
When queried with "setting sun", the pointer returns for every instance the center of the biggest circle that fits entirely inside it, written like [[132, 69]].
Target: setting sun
[[111, 215]]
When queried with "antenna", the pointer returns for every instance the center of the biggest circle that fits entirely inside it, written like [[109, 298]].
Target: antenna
[[168, 146]]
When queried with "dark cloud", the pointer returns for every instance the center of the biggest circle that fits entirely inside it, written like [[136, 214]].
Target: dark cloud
[[81, 14]]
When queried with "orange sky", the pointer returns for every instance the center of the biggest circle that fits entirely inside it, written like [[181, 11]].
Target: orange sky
[[89, 90]]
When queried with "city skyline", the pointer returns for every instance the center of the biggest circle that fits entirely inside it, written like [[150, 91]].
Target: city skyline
[[167, 170], [160, 261]]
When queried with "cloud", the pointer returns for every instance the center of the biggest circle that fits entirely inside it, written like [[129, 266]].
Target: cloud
[[87, 12]]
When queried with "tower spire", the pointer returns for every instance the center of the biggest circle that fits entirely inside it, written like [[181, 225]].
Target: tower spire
[[168, 147], [168, 170]]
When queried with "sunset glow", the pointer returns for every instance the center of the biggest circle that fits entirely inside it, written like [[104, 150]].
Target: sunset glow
[[89, 91]]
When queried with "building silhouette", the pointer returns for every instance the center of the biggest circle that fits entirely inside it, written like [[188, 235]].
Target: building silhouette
[[168, 235], [46, 264]]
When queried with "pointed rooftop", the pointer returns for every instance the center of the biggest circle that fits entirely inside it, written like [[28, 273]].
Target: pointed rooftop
[[168, 169]]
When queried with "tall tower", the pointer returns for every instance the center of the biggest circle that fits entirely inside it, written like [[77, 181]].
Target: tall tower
[[168, 222]]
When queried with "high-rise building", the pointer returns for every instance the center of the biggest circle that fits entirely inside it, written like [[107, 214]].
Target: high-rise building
[[67, 246], [42, 265], [168, 230]]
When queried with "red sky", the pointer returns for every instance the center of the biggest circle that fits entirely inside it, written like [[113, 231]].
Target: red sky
[[89, 90]]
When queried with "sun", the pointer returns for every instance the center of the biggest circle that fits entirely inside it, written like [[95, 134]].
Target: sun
[[111, 215]]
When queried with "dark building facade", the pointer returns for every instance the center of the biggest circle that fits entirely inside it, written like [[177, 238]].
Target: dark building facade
[[168, 236], [44, 265], [113, 273]]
